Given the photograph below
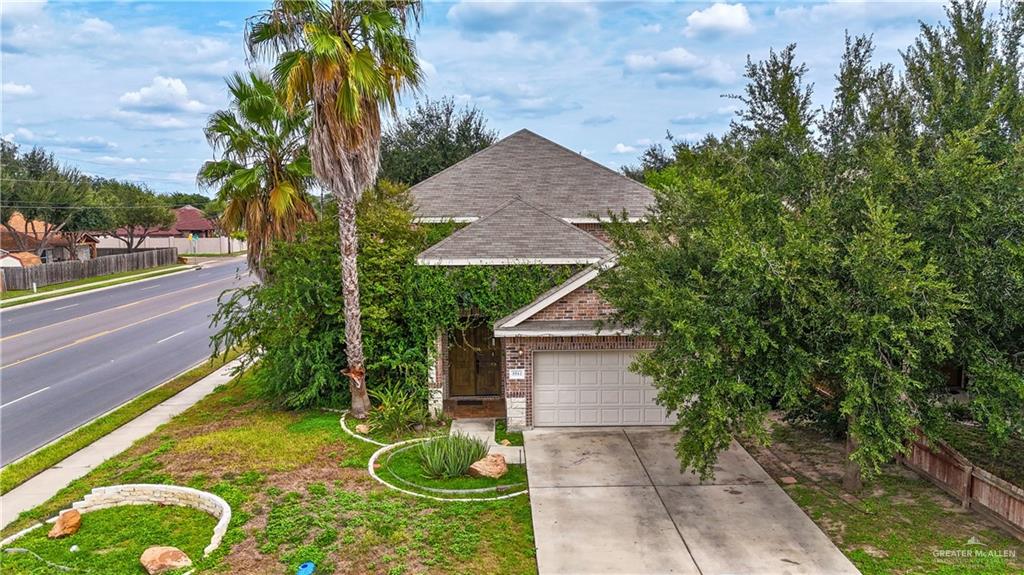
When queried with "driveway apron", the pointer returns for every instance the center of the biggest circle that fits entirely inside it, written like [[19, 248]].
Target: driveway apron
[[613, 500]]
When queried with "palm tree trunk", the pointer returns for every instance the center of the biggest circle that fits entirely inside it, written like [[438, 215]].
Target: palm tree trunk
[[356, 371]]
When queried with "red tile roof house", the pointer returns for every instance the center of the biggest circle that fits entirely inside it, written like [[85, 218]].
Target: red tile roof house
[[529, 200], [188, 221]]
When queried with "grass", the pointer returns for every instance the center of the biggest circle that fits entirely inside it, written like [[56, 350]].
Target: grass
[[971, 441], [501, 432], [86, 284], [299, 492], [111, 541], [406, 465], [14, 474], [900, 523]]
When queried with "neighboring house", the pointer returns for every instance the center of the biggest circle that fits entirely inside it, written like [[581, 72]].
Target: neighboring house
[[58, 247], [18, 259], [189, 222], [528, 200]]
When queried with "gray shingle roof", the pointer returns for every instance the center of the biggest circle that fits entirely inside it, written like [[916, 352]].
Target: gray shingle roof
[[516, 233], [524, 165]]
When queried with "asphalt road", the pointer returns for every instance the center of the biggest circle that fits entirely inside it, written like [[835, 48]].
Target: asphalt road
[[65, 362]]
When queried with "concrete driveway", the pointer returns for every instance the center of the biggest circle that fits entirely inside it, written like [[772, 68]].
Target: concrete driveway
[[612, 500]]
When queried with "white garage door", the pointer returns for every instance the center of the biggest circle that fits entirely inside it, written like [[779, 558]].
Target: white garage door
[[592, 388]]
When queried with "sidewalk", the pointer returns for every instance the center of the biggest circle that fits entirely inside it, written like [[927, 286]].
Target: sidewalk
[[483, 429], [42, 487]]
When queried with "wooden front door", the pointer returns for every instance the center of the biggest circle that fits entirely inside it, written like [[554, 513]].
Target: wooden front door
[[475, 362]]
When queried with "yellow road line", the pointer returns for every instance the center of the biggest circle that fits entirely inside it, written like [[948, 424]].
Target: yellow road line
[[122, 306], [105, 332]]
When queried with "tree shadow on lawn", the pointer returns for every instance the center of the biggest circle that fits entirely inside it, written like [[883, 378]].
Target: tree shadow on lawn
[[901, 523], [299, 492]]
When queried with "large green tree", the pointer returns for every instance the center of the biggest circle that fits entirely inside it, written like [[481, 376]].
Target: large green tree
[[432, 136], [348, 61], [833, 263], [263, 171], [134, 211], [48, 196]]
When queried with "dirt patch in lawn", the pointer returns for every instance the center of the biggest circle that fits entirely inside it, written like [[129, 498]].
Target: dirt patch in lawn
[[899, 523], [300, 492]]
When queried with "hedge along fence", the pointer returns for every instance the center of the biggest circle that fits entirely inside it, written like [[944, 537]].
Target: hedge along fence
[[976, 488], [60, 272]]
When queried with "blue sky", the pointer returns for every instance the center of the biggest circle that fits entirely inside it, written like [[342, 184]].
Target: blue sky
[[122, 89]]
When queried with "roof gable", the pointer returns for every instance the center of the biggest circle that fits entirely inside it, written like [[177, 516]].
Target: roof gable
[[557, 180], [516, 233], [578, 280]]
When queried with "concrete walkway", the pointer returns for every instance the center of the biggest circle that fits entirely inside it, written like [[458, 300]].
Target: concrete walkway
[[42, 487], [612, 500], [483, 429]]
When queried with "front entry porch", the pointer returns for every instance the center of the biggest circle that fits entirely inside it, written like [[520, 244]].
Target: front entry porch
[[468, 382]]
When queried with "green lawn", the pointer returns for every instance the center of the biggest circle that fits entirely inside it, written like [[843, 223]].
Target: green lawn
[[87, 284], [501, 432], [111, 541], [900, 523], [405, 464], [299, 490], [14, 474]]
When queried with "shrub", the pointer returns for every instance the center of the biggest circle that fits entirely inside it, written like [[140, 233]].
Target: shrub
[[449, 456], [397, 410]]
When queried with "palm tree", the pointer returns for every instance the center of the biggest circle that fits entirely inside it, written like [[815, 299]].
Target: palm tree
[[348, 60], [263, 170]]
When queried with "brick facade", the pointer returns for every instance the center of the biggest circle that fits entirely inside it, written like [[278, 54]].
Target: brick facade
[[519, 351], [580, 304], [596, 230]]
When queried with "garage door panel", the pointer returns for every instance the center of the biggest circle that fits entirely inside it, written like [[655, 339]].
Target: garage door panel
[[593, 388]]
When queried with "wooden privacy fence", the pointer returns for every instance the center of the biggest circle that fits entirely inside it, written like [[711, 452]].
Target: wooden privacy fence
[[60, 272], [975, 488]]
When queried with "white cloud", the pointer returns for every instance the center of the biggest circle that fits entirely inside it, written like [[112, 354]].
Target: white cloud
[[50, 139], [651, 28], [621, 148], [13, 89], [517, 100], [125, 161], [96, 26], [428, 69], [643, 142], [678, 66], [719, 18], [162, 95], [227, 24]]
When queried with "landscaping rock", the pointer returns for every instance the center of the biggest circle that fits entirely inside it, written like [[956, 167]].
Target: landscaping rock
[[362, 429], [506, 442], [492, 466], [788, 480], [158, 560], [67, 524]]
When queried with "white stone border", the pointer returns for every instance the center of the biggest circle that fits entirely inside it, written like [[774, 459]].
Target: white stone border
[[345, 428], [386, 448], [149, 494]]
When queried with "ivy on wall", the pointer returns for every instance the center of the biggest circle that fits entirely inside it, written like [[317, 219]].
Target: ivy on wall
[[296, 318]]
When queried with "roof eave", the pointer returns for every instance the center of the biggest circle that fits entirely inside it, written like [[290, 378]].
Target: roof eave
[[504, 261]]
